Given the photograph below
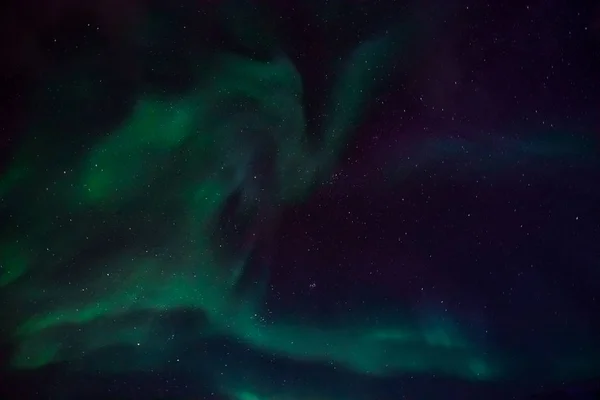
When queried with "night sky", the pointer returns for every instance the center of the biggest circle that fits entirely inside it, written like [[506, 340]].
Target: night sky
[[299, 200]]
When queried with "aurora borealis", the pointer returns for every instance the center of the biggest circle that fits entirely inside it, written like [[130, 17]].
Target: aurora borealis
[[335, 200]]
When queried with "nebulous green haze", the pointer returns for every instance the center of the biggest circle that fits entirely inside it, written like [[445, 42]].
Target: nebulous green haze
[[109, 233]]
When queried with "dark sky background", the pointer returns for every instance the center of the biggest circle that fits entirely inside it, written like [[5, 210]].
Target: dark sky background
[[456, 187]]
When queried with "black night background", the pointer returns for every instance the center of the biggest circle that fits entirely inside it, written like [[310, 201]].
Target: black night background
[[300, 200]]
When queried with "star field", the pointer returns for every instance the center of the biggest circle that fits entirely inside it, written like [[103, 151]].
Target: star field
[[260, 200]]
